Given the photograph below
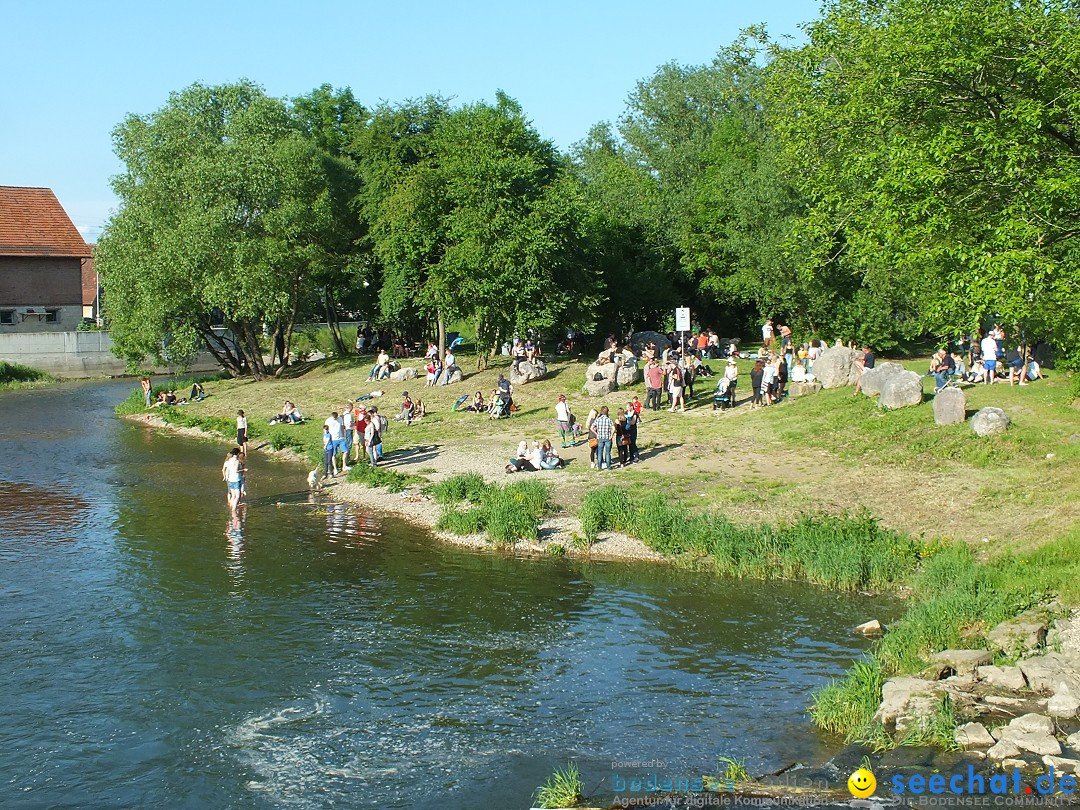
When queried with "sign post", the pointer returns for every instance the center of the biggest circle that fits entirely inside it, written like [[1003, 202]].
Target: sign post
[[682, 324]]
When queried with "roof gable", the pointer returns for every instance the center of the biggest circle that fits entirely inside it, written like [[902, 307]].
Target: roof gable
[[33, 223]]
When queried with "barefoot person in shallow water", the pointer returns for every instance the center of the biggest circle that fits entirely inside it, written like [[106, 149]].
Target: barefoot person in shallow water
[[232, 472]]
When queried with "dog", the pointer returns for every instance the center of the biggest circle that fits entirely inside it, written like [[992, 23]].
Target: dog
[[313, 479]]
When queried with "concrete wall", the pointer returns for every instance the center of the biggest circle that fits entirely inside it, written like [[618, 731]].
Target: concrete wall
[[75, 354]]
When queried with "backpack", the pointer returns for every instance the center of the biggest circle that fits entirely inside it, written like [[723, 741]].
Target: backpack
[[597, 377]]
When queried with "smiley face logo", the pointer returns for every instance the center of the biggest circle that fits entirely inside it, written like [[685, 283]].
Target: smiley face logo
[[861, 783]]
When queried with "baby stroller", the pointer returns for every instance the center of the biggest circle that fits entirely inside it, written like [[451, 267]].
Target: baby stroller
[[500, 409], [724, 395]]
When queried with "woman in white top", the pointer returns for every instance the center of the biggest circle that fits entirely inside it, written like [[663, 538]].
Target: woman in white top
[[563, 415]]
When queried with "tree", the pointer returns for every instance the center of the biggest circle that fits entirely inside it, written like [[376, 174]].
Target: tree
[[227, 211], [937, 144]]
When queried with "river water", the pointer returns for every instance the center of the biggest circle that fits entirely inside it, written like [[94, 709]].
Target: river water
[[155, 654]]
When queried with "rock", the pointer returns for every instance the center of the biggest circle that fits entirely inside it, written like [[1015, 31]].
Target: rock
[[403, 374], [1003, 750], [639, 340], [1045, 673], [1063, 704], [526, 372], [1015, 765], [962, 662], [1073, 741], [455, 377], [973, 735], [628, 374], [1030, 723], [836, 367], [1040, 744], [870, 628], [874, 379], [950, 407], [1015, 704], [988, 421], [607, 371], [1061, 764], [600, 388], [907, 701], [1002, 677], [1017, 636], [801, 389], [901, 390]]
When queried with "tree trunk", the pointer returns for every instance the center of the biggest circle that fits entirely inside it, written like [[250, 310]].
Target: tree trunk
[[332, 321], [219, 347], [442, 338]]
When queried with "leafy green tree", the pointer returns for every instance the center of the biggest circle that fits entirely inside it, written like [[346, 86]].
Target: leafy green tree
[[937, 144]]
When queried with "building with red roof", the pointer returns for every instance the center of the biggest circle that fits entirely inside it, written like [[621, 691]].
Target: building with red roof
[[41, 261]]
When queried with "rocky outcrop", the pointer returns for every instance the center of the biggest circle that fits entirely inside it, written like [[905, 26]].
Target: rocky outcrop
[[1046, 673], [874, 379], [628, 374], [836, 367], [1032, 733], [908, 702], [950, 407], [455, 377], [601, 387], [403, 374], [526, 372], [962, 662], [1019, 635], [973, 735], [1010, 678], [639, 340], [1063, 704], [988, 421], [901, 390]]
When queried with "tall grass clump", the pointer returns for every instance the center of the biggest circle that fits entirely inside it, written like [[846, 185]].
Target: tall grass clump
[[562, 789], [376, 477], [844, 552], [460, 487], [14, 375], [506, 514]]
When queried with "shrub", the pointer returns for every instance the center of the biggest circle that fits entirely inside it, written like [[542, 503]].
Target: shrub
[[13, 373], [506, 514], [460, 487], [562, 789]]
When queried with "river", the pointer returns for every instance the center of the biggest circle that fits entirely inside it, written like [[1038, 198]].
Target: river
[[154, 654]]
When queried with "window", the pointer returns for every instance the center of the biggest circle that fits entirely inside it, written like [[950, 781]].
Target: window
[[7, 316], [52, 315]]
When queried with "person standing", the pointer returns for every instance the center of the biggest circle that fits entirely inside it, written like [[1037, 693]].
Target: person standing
[[147, 390], [337, 436], [989, 348], [590, 422], [604, 429], [232, 472], [373, 437], [361, 426], [768, 335], [675, 388], [329, 459], [633, 417], [241, 433], [406, 408], [654, 383], [565, 419], [868, 361]]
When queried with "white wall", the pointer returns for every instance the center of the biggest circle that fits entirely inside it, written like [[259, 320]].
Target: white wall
[[75, 354]]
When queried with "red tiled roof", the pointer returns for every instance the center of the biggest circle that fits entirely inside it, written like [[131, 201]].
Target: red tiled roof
[[89, 283], [33, 223]]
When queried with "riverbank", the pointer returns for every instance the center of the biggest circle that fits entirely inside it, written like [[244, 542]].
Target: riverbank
[[1012, 500]]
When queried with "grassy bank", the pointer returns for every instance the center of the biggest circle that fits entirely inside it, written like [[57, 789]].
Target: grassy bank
[[505, 514], [14, 376]]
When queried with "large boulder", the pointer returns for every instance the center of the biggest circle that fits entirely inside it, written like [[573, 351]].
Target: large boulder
[[988, 421], [1018, 635], [455, 377], [600, 388], [950, 407], [526, 372], [901, 390], [875, 378], [403, 374], [973, 735], [962, 662], [1045, 673], [628, 374], [836, 367], [606, 371], [639, 340], [907, 702], [801, 389]]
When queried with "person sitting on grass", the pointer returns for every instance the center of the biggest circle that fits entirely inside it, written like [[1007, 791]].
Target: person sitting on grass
[[549, 458], [521, 462], [198, 393], [289, 415], [478, 405]]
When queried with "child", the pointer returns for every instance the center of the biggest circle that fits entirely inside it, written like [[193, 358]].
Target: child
[[406, 408]]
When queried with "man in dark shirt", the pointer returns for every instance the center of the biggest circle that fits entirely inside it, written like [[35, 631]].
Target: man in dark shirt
[[944, 367]]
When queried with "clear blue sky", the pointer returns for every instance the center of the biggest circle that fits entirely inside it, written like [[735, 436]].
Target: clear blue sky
[[73, 70]]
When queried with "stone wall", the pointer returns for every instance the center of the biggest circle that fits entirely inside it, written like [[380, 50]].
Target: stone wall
[[75, 354]]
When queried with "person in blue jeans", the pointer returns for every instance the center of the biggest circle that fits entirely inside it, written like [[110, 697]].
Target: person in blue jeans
[[604, 429]]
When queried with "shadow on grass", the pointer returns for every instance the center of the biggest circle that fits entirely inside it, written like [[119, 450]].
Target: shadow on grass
[[411, 455]]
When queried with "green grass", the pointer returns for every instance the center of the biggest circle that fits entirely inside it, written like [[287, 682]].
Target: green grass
[[562, 789], [380, 477], [837, 551], [732, 769], [505, 513], [13, 375]]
